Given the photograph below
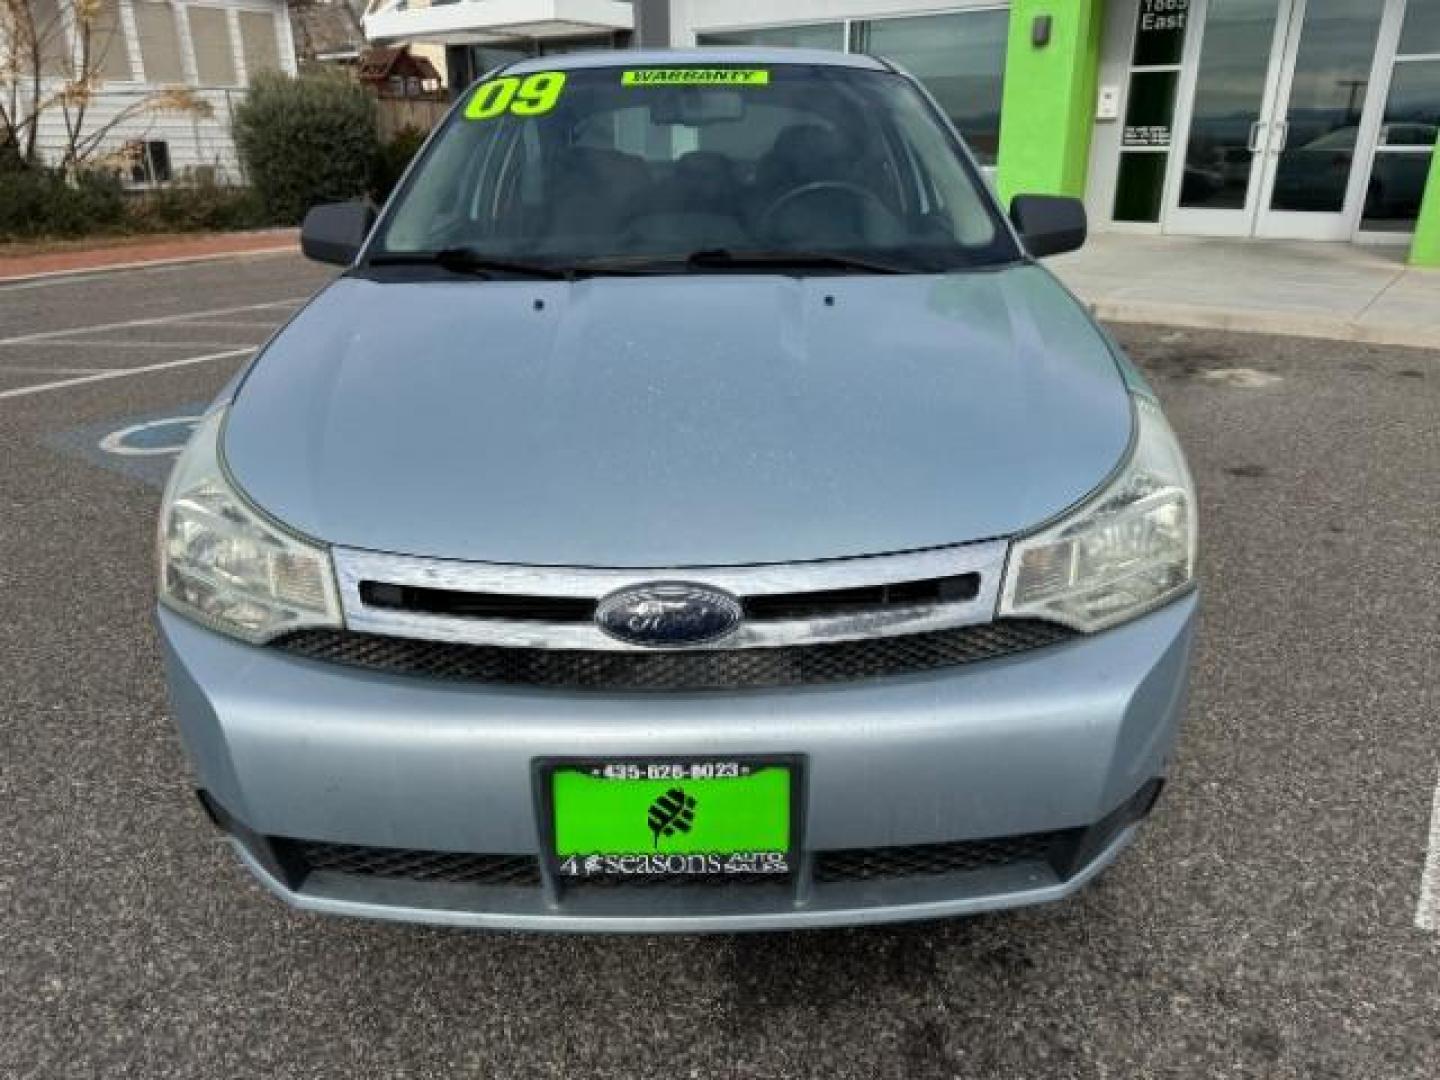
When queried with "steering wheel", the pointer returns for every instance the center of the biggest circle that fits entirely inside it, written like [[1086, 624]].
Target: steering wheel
[[818, 187]]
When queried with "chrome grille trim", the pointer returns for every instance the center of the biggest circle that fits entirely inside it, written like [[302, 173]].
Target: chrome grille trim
[[354, 567]]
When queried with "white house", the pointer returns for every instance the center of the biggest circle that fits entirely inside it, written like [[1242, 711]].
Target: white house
[[212, 47]]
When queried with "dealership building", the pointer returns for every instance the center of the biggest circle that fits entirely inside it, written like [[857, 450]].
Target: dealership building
[[1282, 119]]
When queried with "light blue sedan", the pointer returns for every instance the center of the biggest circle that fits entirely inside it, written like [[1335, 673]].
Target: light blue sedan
[[692, 509]]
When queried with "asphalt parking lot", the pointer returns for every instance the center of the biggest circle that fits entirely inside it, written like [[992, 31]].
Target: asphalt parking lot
[[1270, 922]]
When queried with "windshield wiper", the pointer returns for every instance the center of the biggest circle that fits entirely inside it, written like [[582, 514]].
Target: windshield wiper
[[465, 260], [794, 260], [728, 259]]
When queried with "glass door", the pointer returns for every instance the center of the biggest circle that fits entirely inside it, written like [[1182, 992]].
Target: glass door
[[1278, 120], [1409, 126], [1320, 141], [1227, 101]]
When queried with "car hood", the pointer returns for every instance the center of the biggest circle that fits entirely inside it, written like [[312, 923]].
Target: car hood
[[679, 421]]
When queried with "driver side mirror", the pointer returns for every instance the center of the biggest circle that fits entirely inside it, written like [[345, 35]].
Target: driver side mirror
[[335, 232], [1049, 224]]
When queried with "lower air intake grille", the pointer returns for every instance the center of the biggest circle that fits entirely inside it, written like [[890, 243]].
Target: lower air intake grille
[[398, 863], [709, 669], [931, 860]]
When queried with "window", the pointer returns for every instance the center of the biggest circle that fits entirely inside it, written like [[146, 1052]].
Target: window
[[959, 57], [159, 42], [150, 162], [52, 38], [812, 36], [961, 60], [108, 49], [1411, 126], [258, 42], [214, 52], [821, 159], [1421, 35]]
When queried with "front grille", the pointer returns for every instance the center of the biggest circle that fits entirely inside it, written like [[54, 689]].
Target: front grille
[[932, 860], [416, 600], [425, 600], [301, 858], [860, 600], [716, 669], [306, 856]]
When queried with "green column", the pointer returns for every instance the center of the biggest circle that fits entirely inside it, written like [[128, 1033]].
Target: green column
[[1049, 106], [1426, 251]]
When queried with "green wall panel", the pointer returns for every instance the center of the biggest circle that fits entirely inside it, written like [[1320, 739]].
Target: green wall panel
[[1426, 251], [1050, 98]]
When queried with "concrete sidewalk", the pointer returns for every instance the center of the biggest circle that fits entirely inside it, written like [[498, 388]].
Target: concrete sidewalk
[[1341, 292], [159, 251]]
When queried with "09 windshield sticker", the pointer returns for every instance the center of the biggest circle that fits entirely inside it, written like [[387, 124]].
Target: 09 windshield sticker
[[534, 95], [696, 77]]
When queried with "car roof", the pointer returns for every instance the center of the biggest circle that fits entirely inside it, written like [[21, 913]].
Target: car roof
[[630, 58]]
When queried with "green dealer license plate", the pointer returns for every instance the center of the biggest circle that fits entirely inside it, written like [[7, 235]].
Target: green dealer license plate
[[713, 818]]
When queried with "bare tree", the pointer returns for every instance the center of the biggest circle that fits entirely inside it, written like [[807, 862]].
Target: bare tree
[[52, 57], [31, 45]]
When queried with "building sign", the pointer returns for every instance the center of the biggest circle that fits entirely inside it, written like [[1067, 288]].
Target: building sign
[[1147, 135], [1160, 32]]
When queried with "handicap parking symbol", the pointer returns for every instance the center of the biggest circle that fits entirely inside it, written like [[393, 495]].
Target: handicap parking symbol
[[154, 438], [143, 447]]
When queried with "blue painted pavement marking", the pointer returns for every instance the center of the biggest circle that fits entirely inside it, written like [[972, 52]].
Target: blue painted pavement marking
[[143, 447]]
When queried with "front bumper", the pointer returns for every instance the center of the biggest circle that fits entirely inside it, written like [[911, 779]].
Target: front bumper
[[1066, 740]]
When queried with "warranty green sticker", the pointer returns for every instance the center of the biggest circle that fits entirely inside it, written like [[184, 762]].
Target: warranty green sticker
[[696, 77]]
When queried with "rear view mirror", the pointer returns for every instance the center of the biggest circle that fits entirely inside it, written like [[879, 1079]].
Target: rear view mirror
[[335, 232], [1049, 224], [698, 107]]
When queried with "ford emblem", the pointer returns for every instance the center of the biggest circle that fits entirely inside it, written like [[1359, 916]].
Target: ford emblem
[[670, 614]]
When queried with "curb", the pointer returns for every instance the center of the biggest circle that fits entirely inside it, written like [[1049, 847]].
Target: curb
[[142, 264], [1281, 324]]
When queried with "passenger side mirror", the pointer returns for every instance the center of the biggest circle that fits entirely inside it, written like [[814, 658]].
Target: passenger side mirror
[[335, 232], [1049, 224]]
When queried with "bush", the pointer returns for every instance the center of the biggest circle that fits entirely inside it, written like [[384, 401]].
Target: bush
[[39, 203], [10, 157], [42, 202], [199, 207], [394, 157], [305, 141]]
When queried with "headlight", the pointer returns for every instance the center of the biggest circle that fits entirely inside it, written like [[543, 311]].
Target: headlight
[[225, 566], [1127, 551]]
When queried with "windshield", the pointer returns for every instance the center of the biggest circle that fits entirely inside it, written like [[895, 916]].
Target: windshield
[[644, 167]]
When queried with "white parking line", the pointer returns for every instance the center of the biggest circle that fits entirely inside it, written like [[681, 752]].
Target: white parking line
[[28, 369], [162, 320], [123, 373], [1427, 915], [110, 343], [229, 324], [51, 278]]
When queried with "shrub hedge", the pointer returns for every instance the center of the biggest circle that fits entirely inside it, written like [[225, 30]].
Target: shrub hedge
[[37, 203], [306, 140], [41, 202], [203, 207]]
